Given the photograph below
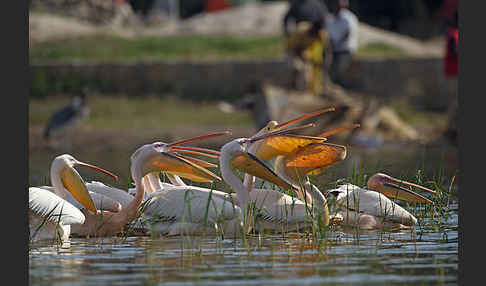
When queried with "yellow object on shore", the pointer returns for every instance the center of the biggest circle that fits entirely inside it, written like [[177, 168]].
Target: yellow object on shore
[[310, 49]]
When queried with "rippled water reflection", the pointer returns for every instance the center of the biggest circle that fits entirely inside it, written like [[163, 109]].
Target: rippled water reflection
[[426, 255]]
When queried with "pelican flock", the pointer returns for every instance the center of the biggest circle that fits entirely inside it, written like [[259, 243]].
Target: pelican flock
[[285, 201]]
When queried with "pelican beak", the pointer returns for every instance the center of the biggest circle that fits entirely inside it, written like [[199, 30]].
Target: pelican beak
[[401, 193], [173, 163], [338, 130], [82, 164], [200, 162], [250, 164], [176, 164], [411, 185], [392, 188], [253, 165], [308, 115], [211, 135], [74, 183]]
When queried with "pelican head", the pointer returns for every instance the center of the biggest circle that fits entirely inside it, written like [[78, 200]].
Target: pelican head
[[392, 188], [234, 155], [150, 158], [275, 126], [63, 175], [162, 157], [271, 126], [165, 157]]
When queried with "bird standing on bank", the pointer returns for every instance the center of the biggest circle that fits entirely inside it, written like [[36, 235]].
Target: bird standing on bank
[[60, 126]]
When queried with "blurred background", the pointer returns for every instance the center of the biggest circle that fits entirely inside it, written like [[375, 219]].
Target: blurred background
[[110, 75]]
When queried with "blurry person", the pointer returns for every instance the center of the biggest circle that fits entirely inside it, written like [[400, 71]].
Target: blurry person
[[451, 65], [305, 11], [305, 43], [343, 33]]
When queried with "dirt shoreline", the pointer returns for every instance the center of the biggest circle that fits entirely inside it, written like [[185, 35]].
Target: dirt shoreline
[[99, 140]]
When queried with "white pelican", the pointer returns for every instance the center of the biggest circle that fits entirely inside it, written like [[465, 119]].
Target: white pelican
[[371, 208], [235, 156], [90, 221], [368, 209], [146, 159], [279, 211], [50, 214], [311, 204], [174, 209]]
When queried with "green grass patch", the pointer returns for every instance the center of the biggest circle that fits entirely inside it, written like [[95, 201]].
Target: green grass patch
[[109, 48], [379, 50], [113, 48]]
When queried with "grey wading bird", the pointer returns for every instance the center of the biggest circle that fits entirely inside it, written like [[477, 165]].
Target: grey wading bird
[[59, 127]]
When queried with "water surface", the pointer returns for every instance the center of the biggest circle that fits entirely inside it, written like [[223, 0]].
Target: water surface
[[420, 256]]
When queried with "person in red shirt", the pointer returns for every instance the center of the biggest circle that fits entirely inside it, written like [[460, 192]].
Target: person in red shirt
[[451, 70], [451, 55]]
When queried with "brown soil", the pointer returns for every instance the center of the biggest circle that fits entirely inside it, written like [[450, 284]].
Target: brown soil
[[100, 140]]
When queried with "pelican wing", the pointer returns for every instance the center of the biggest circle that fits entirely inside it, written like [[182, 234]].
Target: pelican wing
[[283, 145], [250, 164], [49, 205], [370, 202], [100, 200], [107, 192], [312, 159], [189, 204], [182, 167], [274, 206]]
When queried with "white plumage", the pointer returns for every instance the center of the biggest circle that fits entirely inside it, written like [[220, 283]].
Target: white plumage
[[108, 202], [368, 209], [50, 216], [177, 210]]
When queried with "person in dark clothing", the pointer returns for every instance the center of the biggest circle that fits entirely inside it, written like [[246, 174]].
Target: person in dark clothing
[[305, 11], [343, 33]]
